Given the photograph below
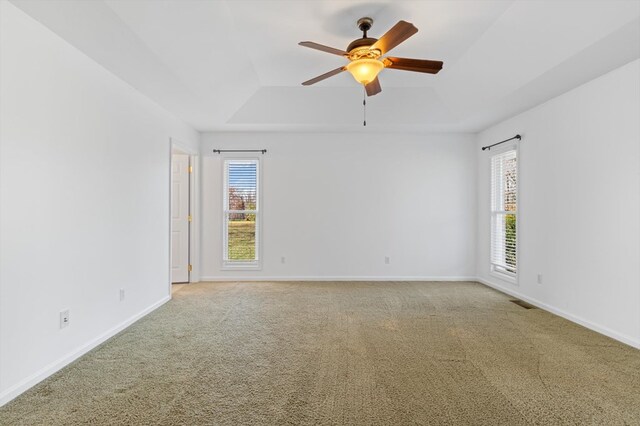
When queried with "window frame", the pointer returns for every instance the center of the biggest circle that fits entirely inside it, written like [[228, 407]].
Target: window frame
[[227, 265], [495, 270]]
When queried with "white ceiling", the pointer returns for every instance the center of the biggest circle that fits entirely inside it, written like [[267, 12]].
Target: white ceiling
[[235, 64]]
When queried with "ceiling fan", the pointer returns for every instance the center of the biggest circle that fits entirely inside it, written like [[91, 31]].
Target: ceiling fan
[[365, 56]]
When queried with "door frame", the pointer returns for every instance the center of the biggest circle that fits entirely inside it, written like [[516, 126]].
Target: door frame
[[177, 147]]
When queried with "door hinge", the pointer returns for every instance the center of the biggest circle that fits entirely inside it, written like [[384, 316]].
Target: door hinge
[[190, 169], [190, 268], [189, 218]]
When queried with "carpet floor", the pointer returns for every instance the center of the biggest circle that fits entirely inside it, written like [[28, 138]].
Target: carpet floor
[[338, 353]]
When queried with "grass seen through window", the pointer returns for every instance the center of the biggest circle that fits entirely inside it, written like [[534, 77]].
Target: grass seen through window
[[242, 240]]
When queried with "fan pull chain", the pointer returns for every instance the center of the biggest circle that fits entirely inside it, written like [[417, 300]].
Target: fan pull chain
[[364, 106]]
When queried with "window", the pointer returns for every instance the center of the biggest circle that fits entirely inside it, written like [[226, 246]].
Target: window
[[241, 213], [504, 214]]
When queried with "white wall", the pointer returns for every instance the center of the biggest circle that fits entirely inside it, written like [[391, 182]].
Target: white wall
[[84, 201], [579, 204], [335, 204]]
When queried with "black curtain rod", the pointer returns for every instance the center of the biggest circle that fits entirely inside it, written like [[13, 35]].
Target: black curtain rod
[[498, 143], [218, 151]]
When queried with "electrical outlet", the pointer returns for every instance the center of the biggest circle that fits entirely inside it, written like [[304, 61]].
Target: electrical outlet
[[122, 294], [539, 278], [387, 260], [64, 318], [283, 259]]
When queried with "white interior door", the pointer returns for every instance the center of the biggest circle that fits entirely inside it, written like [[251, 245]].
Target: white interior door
[[179, 218]]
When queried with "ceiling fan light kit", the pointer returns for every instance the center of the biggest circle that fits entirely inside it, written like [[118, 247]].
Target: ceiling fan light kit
[[365, 70], [365, 56]]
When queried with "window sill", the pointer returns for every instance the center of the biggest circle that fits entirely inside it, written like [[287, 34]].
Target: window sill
[[504, 277], [241, 267]]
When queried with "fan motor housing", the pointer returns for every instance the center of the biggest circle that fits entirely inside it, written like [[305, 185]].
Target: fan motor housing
[[361, 42], [360, 48]]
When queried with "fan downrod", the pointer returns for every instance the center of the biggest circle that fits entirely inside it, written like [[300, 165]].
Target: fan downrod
[[364, 24]]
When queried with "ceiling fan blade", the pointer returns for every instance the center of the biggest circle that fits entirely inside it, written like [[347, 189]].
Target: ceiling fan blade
[[373, 88], [323, 48], [396, 35], [323, 76], [417, 65]]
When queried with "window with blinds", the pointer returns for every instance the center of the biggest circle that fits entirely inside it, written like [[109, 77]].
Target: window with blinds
[[504, 213], [241, 212]]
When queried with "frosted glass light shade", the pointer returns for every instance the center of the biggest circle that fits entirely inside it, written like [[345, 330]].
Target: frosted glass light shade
[[365, 70]]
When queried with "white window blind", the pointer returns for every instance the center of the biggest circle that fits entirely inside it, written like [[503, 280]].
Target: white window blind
[[241, 212], [504, 213]]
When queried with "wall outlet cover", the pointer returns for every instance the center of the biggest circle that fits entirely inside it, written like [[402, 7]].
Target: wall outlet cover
[[64, 318]]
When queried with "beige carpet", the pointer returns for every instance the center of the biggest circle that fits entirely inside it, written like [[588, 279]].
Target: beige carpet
[[335, 353]]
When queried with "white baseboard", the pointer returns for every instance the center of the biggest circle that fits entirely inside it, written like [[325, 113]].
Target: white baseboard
[[334, 278], [55, 366], [628, 340]]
